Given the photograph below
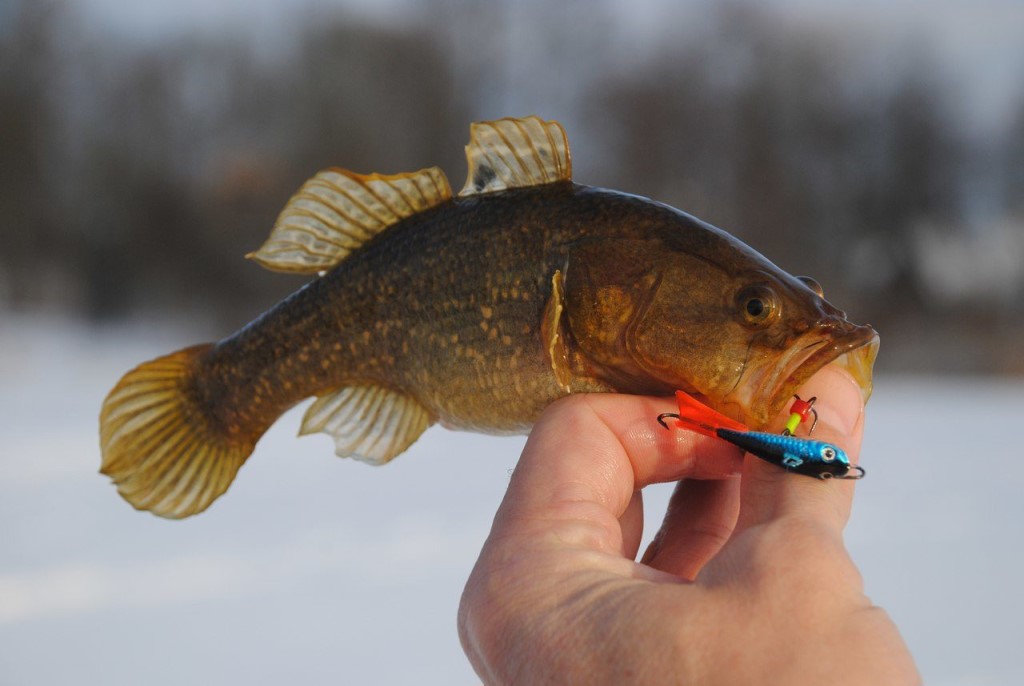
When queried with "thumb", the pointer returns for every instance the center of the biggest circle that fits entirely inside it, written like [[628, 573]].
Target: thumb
[[769, 492]]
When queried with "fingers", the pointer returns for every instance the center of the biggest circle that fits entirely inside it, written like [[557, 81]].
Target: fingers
[[699, 520], [574, 493], [769, 492], [600, 448], [632, 524]]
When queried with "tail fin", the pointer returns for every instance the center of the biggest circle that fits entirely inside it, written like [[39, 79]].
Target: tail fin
[[700, 418], [158, 446]]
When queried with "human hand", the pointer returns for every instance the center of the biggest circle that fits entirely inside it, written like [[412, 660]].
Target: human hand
[[747, 581]]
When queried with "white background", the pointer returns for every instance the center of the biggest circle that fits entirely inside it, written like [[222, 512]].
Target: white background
[[316, 570]]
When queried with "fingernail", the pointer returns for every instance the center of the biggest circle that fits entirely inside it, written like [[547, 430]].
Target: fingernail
[[838, 396]]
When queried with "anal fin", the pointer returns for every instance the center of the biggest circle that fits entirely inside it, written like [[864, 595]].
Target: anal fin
[[368, 422]]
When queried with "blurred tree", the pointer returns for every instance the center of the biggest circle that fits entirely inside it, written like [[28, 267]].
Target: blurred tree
[[919, 183], [764, 129], [176, 157], [370, 99], [666, 127], [28, 59], [1014, 163], [135, 176]]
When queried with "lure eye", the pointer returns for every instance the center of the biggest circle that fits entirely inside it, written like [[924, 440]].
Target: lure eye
[[758, 305], [813, 285], [828, 453]]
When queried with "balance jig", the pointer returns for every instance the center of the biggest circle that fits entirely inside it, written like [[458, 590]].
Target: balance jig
[[799, 455]]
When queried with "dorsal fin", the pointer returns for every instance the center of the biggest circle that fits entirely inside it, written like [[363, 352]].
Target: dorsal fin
[[512, 153], [337, 211]]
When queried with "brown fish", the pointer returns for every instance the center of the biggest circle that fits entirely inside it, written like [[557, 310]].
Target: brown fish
[[476, 312]]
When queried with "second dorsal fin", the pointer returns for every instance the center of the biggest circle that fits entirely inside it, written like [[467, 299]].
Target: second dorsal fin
[[337, 211], [512, 153]]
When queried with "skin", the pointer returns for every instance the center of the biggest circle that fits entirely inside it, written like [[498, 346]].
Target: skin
[[747, 581]]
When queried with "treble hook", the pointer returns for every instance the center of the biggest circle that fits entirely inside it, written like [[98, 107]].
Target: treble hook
[[661, 418], [798, 412], [859, 475]]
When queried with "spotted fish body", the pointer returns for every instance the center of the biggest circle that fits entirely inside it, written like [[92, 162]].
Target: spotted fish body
[[474, 311], [450, 304]]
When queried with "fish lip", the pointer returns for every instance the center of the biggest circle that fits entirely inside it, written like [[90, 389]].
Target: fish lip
[[762, 394], [855, 352]]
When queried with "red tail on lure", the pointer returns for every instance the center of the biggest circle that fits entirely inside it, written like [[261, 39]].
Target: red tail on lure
[[696, 416]]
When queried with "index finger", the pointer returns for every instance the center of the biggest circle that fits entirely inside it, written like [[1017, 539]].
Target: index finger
[[600, 448]]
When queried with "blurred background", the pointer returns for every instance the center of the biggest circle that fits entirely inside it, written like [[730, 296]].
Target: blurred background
[[145, 147]]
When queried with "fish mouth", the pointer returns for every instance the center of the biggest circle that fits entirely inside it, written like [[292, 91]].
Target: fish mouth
[[764, 394]]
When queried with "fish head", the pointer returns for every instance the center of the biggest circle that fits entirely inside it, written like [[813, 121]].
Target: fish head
[[747, 340], [695, 309], [825, 460], [792, 333]]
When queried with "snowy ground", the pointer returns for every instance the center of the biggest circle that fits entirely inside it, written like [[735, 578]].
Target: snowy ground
[[314, 570]]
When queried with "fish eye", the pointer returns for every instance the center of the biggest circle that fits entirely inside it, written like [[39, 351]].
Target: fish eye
[[757, 305], [828, 453], [813, 285]]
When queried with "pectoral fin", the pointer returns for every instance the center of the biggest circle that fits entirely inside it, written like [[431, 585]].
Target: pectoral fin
[[513, 153], [337, 211], [368, 422]]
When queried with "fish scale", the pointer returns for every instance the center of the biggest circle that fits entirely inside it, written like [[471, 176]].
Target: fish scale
[[474, 311]]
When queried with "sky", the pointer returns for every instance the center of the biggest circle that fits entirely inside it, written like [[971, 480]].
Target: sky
[[964, 19], [978, 41]]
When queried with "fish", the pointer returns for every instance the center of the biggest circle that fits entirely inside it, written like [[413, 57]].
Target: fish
[[805, 456], [474, 311]]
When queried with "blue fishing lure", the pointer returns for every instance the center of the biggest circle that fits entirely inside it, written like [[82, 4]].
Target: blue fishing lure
[[799, 455]]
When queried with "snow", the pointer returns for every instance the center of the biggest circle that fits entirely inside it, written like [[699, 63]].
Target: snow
[[317, 570]]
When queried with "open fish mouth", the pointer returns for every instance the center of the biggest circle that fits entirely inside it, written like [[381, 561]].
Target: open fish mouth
[[854, 352]]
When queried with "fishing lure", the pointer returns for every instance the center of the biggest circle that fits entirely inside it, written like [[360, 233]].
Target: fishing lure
[[799, 455]]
